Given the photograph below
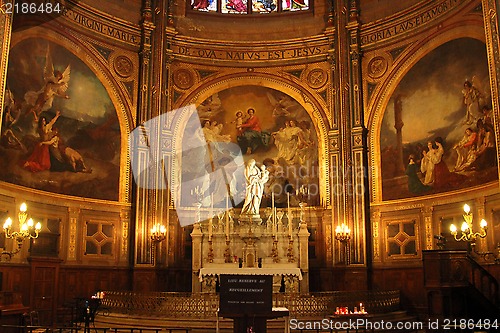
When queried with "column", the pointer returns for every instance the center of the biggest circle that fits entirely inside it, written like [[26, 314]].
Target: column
[[429, 233]]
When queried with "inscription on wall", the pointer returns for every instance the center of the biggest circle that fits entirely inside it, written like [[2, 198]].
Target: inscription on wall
[[412, 22], [293, 53], [100, 27]]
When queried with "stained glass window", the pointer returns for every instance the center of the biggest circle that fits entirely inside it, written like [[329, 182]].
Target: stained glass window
[[249, 6]]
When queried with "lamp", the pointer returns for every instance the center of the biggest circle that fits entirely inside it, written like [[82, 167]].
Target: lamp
[[343, 235], [467, 234], [27, 229], [158, 233]]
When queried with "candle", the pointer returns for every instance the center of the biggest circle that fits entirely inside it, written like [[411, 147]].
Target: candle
[[289, 213], [273, 212], [227, 224], [210, 228]]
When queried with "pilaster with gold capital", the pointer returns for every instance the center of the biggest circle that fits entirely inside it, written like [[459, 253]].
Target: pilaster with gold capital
[[73, 218], [482, 245], [375, 223], [427, 214]]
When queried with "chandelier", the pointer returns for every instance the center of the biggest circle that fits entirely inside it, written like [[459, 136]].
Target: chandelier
[[467, 234], [27, 229]]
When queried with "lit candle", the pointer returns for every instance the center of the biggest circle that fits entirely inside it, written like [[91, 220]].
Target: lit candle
[[289, 216], [288, 200], [210, 228], [273, 220]]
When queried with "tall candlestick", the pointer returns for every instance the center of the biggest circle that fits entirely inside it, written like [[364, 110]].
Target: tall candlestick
[[289, 214], [273, 212]]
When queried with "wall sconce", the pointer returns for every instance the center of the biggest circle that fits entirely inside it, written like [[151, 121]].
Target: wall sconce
[[467, 234], [343, 235], [158, 233], [27, 229]]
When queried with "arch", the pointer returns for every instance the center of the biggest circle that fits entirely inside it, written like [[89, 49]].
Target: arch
[[385, 90], [82, 52], [298, 93]]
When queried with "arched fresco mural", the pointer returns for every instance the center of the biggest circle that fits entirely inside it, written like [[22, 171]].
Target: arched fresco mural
[[60, 131], [257, 123], [437, 132]]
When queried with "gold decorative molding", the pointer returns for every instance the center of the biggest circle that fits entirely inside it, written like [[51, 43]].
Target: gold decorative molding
[[85, 18], [187, 49], [491, 28], [375, 222], [427, 213], [5, 35], [408, 22], [74, 214]]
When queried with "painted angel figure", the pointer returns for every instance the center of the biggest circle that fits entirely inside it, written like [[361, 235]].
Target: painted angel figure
[[283, 106], [211, 107], [56, 84], [474, 98]]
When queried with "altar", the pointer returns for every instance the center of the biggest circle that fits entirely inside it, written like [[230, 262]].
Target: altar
[[291, 276], [276, 244]]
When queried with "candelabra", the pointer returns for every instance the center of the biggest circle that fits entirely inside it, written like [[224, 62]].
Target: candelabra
[[158, 234], [343, 235], [27, 229], [467, 234]]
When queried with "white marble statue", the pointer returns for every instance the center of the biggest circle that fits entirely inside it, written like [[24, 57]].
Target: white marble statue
[[255, 179]]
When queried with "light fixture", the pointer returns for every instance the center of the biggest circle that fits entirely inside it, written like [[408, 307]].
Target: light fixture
[[158, 233], [467, 235], [343, 235], [27, 229]]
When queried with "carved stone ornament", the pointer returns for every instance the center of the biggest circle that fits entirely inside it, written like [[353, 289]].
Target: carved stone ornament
[[123, 66], [377, 67], [183, 78], [317, 78]]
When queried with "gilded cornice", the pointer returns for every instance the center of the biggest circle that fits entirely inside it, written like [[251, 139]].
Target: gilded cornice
[[436, 199], [83, 17], [255, 54], [49, 198], [408, 22]]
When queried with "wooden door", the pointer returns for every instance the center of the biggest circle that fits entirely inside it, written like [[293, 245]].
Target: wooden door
[[44, 276]]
